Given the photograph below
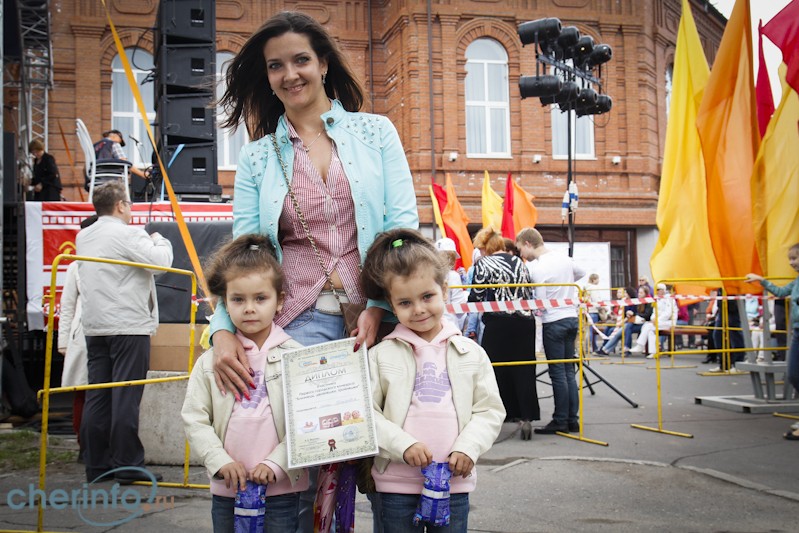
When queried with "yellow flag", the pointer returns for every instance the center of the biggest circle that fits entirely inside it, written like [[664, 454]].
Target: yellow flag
[[775, 186], [492, 205], [728, 130], [437, 212], [455, 218], [683, 249]]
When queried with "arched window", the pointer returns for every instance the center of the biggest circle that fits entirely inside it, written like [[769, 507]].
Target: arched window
[[228, 143], [487, 100], [669, 84], [125, 115], [582, 133]]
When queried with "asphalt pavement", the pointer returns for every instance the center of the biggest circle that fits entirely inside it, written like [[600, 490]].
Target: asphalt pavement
[[732, 471]]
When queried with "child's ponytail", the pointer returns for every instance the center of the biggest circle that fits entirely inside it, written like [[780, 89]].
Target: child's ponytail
[[399, 252]]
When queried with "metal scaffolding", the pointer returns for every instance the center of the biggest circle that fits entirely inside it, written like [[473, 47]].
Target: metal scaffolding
[[36, 72]]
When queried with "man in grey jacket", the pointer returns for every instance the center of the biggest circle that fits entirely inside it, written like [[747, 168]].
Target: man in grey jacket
[[120, 313]]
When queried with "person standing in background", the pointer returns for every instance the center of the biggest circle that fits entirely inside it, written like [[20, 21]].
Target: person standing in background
[[119, 314], [46, 178], [560, 325]]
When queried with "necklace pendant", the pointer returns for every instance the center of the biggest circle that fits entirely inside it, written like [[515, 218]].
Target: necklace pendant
[[306, 148]]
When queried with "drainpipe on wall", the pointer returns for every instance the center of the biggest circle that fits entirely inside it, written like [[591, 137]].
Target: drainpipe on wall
[[430, 102]]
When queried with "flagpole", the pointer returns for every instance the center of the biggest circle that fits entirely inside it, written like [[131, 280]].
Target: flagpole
[[569, 177]]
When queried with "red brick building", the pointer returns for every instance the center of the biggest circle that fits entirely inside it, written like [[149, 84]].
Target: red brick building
[[471, 50]]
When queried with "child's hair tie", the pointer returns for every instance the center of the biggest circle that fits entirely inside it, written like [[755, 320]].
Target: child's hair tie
[[254, 247], [396, 243]]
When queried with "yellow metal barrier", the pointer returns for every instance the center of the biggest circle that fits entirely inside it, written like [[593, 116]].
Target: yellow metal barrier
[[45, 393], [725, 349], [579, 360]]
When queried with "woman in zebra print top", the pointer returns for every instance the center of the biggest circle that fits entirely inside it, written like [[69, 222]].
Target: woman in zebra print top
[[509, 335]]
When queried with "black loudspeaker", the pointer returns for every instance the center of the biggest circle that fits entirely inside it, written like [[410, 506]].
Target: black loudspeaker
[[188, 68], [187, 21], [185, 72], [193, 170], [174, 290], [186, 118], [9, 168]]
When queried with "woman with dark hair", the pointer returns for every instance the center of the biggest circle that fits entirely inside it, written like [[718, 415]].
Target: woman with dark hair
[[348, 178], [637, 318], [320, 179], [622, 314], [508, 336], [46, 179]]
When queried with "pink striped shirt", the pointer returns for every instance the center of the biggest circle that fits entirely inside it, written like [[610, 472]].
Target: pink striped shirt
[[329, 209]]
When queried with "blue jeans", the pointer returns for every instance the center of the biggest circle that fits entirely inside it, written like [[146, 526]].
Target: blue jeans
[[281, 513], [629, 329], [612, 341], [591, 333], [736, 337], [309, 328], [559, 344], [398, 511], [793, 362], [312, 327]]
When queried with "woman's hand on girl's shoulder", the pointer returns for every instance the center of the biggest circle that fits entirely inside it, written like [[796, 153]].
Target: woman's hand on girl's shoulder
[[230, 372], [368, 324]]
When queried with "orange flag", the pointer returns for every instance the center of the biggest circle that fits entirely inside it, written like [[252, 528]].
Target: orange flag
[[525, 215], [728, 131], [455, 218]]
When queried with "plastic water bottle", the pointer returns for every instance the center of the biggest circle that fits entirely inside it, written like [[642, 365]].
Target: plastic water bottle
[[249, 509]]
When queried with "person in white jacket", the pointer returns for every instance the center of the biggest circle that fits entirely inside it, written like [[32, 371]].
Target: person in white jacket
[[434, 393], [119, 314], [72, 345], [666, 316]]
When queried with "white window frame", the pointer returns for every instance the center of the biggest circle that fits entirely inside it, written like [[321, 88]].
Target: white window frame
[[586, 121], [128, 110], [226, 150], [490, 105], [669, 87]]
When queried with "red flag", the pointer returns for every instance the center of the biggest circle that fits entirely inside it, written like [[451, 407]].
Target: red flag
[[783, 30], [508, 229], [763, 94]]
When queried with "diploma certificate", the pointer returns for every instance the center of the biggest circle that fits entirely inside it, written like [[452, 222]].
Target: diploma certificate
[[328, 400]]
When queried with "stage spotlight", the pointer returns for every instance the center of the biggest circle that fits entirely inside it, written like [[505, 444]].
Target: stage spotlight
[[546, 29], [568, 37], [583, 48], [566, 40], [586, 98], [568, 93], [601, 54], [537, 86], [602, 106]]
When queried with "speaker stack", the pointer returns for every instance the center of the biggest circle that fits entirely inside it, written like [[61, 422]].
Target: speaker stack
[[184, 92]]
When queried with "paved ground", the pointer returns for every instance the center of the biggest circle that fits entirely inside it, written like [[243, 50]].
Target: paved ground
[[736, 474]]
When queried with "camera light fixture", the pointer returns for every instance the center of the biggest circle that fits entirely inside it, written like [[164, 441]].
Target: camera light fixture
[[583, 48], [603, 104], [537, 86], [541, 30], [601, 54]]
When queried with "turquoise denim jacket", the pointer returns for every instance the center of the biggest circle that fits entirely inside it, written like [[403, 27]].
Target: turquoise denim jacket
[[374, 163]]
